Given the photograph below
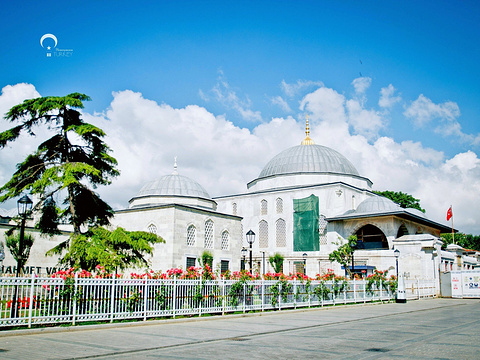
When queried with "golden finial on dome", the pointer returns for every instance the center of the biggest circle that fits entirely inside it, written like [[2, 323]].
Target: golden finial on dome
[[307, 140]]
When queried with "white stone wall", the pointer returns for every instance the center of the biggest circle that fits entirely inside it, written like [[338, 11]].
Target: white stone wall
[[172, 223], [37, 261], [334, 199]]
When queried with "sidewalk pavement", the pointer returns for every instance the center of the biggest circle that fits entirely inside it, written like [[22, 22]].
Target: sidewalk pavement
[[420, 329]]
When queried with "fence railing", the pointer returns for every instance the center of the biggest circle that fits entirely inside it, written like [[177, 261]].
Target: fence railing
[[33, 301], [419, 289]]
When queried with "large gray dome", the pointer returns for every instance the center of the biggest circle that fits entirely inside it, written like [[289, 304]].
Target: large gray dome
[[308, 159], [174, 184]]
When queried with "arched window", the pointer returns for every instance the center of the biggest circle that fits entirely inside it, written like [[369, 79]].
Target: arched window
[[322, 229], [371, 237], [402, 230], [280, 232], [191, 235], [279, 205], [234, 208], [208, 244], [263, 234], [264, 207], [225, 240], [152, 229]]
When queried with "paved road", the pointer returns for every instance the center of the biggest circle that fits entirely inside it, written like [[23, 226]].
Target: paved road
[[422, 329]]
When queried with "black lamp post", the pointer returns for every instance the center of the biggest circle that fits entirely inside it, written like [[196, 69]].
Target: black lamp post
[[24, 206], [244, 253], [263, 271], [304, 263], [396, 252], [251, 240]]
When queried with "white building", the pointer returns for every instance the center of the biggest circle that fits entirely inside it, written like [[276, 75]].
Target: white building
[[180, 210], [305, 201], [337, 202]]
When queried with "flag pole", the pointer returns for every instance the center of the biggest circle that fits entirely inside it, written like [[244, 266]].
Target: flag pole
[[453, 232]]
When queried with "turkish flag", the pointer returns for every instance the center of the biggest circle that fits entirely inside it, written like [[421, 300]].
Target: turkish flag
[[449, 213]]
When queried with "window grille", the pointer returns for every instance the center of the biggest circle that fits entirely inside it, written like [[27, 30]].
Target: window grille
[[322, 229], [279, 205], [191, 235], [224, 266], [263, 207], [208, 234], [190, 261], [152, 229], [263, 234], [225, 240], [234, 208], [280, 230]]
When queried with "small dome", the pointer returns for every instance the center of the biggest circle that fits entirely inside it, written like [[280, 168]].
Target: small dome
[[416, 212], [376, 204], [308, 158], [174, 184]]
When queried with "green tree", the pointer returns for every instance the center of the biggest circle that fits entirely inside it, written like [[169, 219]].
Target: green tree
[[206, 259], [12, 241], [402, 199], [467, 241], [343, 254], [276, 261], [115, 250], [69, 164]]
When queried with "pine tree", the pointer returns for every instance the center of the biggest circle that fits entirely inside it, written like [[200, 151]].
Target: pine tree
[[69, 165]]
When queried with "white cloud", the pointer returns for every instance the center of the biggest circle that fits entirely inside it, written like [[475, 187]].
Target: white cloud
[[387, 98], [423, 110], [13, 95], [18, 150], [365, 122], [361, 84], [443, 119], [278, 100], [225, 95], [292, 90], [146, 136]]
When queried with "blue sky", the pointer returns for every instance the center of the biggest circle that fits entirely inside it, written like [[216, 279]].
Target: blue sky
[[250, 62]]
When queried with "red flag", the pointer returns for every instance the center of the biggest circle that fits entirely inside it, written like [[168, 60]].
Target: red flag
[[449, 213]]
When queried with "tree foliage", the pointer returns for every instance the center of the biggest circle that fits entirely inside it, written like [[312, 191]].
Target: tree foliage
[[70, 163], [343, 254], [276, 261], [12, 241], [402, 199], [114, 250], [467, 241], [206, 259]]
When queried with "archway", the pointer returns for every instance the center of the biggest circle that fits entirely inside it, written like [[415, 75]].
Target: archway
[[402, 230], [370, 237]]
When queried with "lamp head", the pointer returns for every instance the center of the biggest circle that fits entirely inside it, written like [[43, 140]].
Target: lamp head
[[24, 205], [250, 237]]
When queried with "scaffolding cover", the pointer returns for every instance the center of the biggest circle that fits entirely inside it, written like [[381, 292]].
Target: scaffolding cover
[[305, 218]]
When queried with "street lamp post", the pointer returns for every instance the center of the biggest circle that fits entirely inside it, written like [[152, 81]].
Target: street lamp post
[[244, 254], [401, 293], [263, 272], [251, 240], [24, 206], [304, 263], [396, 252]]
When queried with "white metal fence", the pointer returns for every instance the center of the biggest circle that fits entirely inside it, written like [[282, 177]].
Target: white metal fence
[[32, 301], [420, 289]]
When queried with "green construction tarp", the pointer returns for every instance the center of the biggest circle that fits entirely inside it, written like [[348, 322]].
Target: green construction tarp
[[305, 224]]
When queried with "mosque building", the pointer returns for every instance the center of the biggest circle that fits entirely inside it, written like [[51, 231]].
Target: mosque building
[[306, 201], [309, 199]]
